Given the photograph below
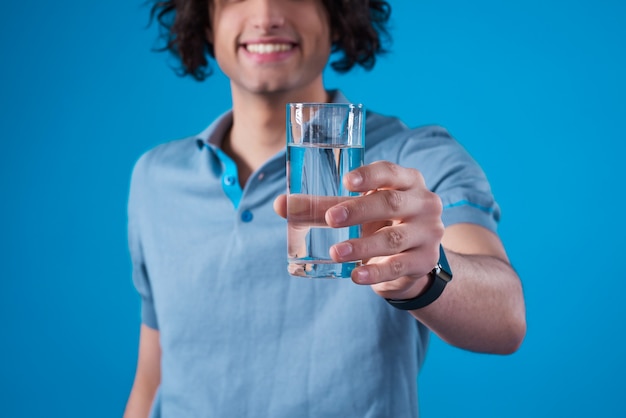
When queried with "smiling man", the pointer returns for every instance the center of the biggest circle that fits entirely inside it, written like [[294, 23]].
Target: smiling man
[[226, 332]]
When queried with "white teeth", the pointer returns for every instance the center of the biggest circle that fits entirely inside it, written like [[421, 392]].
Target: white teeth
[[267, 48]]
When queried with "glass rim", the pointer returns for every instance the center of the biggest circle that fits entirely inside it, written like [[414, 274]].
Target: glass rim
[[324, 104]]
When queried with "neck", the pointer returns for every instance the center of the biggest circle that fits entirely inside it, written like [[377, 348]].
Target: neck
[[258, 130]]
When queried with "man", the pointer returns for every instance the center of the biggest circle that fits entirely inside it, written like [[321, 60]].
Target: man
[[226, 331]]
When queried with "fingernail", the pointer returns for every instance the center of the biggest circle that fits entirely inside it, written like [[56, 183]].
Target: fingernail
[[338, 214], [362, 276], [343, 249], [355, 179]]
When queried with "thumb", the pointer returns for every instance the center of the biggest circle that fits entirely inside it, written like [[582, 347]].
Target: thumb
[[280, 205]]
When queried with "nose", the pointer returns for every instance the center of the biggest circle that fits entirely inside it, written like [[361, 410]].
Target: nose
[[267, 14]]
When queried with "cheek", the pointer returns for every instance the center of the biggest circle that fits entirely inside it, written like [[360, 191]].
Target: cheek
[[224, 31], [323, 46], [223, 45], [324, 41]]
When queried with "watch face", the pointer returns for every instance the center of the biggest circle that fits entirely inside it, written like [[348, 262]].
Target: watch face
[[443, 270], [442, 273]]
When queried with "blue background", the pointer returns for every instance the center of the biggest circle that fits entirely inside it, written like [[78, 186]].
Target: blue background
[[534, 89]]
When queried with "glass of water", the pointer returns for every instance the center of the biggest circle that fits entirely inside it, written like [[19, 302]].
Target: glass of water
[[324, 142]]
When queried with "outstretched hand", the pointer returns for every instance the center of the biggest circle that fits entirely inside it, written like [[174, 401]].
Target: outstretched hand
[[401, 228]]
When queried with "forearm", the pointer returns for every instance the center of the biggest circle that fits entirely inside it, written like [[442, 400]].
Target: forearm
[[140, 400], [481, 309], [148, 375]]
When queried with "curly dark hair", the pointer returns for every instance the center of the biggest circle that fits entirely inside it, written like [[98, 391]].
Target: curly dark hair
[[359, 27]]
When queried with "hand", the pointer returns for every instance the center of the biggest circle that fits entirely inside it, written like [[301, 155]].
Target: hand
[[401, 228]]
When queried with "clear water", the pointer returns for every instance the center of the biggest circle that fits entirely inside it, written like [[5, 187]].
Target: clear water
[[315, 176]]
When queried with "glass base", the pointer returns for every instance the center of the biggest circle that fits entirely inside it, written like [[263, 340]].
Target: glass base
[[321, 269]]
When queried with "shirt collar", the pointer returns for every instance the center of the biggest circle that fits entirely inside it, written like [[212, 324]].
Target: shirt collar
[[214, 134]]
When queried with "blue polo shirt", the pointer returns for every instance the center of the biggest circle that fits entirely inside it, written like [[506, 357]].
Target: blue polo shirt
[[239, 336]]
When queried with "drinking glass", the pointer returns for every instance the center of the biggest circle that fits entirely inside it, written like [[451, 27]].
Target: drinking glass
[[324, 142]]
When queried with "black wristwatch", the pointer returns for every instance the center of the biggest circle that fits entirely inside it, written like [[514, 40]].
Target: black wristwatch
[[441, 275]]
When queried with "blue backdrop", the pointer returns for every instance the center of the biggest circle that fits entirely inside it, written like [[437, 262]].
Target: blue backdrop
[[534, 89]]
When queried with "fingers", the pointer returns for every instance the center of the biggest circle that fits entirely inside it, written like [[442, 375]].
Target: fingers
[[310, 210], [391, 193], [392, 244], [385, 205], [303, 208], [387, 269], [407, 215], [383, 175], [296, 242], [400, 218]]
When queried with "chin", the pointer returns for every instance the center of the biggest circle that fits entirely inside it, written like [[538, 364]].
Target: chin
[[269, 88]]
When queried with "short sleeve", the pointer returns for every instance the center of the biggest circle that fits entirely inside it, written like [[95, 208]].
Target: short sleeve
[[454, 175], [140, 275]]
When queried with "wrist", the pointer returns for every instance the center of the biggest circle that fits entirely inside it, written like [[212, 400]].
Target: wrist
[[438, 279]]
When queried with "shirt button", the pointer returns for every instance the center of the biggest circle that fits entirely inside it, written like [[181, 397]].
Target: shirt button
[[229, 180], [261, 176], [246, 216]]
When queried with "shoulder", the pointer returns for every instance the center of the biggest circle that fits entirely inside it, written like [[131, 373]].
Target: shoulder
[[183, 153], [431, 149], [162, 165], [382, 128], [170, 155], [389, 138]]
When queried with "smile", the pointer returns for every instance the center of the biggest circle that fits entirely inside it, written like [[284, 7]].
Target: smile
[[268, 48]]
